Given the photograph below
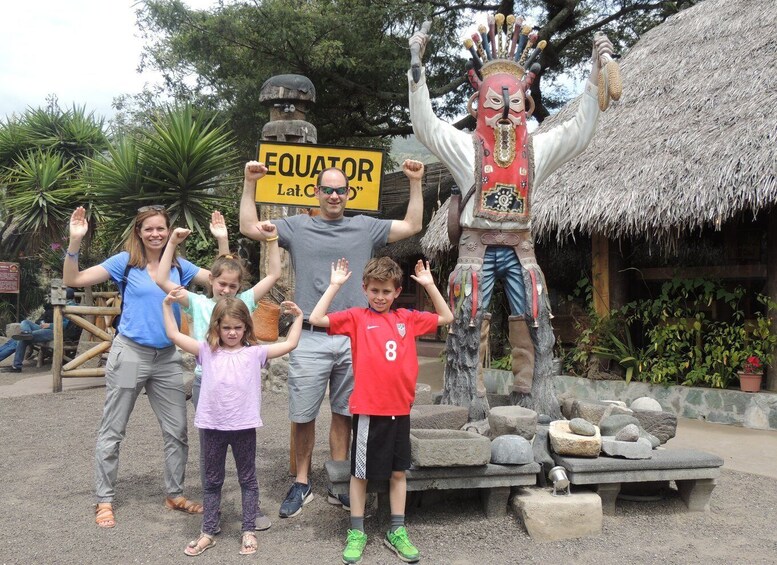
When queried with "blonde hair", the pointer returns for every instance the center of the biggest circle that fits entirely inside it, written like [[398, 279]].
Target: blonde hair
[[383, 269], [134, 244], [233, 308], [229, 262]]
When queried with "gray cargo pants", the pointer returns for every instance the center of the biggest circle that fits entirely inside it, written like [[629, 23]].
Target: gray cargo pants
[[131, 367]]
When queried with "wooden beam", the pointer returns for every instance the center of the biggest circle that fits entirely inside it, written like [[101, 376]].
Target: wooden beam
[[93, 310], [98, 349], [56, 357], [90, 327], [95, 372], [757, 271], [600, 271], [771, 289]]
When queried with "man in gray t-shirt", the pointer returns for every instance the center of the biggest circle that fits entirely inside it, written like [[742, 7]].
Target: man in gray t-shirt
[[321, 360]]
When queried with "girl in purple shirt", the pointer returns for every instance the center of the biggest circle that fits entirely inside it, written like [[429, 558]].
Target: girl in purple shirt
[[229, 409]]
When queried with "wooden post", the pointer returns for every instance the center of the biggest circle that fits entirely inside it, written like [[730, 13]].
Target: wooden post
[[600, 272], [619, 292], [59, 342], [771, 289], [287, 123]]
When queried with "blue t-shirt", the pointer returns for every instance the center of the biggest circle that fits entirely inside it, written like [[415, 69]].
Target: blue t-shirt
[[141, 315]]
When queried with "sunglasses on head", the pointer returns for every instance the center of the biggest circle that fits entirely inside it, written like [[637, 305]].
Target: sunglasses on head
[[339, 190], [155, 208]]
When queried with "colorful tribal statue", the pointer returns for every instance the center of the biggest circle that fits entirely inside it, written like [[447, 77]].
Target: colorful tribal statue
[[496, 168]]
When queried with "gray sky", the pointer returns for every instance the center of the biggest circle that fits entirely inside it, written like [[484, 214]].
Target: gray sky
[[84, 51]]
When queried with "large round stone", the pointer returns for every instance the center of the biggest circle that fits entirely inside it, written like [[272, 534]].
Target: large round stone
[[511, 450], [516, 420], [582, 427], [646, 403], [628, 433]]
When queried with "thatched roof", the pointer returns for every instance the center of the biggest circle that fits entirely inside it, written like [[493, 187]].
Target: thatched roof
[[693, 140]]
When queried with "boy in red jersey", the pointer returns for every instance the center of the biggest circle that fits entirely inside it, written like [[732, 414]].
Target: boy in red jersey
[[385, 366]]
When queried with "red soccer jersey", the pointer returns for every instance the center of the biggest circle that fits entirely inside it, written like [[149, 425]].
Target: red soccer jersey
[[385, 363]]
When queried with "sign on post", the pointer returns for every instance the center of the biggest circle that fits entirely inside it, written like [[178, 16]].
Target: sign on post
[[292, 169], [10, 278]]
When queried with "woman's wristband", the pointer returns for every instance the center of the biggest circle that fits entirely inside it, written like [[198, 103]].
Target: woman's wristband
[[71, 255], [269, 239]]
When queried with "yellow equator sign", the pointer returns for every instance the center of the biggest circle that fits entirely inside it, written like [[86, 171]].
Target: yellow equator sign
[[292, 169]]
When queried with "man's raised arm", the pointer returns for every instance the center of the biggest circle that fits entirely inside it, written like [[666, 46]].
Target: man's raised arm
[[411, 225], [250, 226]]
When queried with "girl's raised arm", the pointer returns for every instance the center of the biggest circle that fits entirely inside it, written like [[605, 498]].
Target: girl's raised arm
[[273, 264], [292, 339], [188, 344]]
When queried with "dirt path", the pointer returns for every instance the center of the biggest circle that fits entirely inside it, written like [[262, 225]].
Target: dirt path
[[46, 451]]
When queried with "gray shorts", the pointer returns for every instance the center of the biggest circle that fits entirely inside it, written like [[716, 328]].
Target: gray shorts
[[320, 360]]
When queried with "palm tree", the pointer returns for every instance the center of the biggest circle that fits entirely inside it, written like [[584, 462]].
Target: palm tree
[[41, 157], [182, 162]]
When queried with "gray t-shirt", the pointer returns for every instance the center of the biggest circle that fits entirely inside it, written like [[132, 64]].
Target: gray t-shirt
[[314, 244]]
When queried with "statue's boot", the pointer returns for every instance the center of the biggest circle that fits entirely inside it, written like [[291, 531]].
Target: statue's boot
[[522, 354], [483, 354]]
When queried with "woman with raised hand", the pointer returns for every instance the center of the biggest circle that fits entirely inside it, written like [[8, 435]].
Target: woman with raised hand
[[141, 356]]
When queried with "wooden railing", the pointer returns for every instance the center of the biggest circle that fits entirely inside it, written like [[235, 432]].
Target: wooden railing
[[75, 314]]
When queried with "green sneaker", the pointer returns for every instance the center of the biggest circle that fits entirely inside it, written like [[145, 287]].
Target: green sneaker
[[354, 547], [401, 545]]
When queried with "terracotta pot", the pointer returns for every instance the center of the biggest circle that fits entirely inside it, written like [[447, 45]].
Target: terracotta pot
[[750, 382], [266, 318]]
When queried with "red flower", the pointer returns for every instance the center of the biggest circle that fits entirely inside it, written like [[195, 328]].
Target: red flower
[[752, 365]]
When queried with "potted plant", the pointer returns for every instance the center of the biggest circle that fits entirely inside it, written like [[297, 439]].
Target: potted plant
[[751, 374]]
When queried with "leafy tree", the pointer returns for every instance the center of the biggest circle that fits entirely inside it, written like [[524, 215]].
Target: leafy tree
[[183, 162], [42, 153], [355, 53]]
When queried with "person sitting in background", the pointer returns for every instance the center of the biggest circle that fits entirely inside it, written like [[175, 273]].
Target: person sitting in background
[[33, 332]]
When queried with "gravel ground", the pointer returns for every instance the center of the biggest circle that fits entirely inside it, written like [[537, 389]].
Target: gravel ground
[[46, 447]]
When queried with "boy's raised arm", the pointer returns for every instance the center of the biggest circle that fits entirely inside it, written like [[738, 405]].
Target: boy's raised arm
[[340, 274], [423, 276]]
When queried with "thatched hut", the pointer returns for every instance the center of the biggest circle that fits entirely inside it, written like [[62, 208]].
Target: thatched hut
[[689, 152], [693, 142]]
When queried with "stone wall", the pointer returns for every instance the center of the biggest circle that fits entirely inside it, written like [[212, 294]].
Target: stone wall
[[721, 406], [750, 410]]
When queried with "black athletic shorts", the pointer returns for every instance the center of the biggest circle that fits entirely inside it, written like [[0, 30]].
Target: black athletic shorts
[[381, 444]]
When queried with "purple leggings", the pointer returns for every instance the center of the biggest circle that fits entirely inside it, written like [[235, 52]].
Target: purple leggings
[[213, 448]]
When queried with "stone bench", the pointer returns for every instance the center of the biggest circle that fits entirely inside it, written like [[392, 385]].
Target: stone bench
[[694, 472], [494, 482]]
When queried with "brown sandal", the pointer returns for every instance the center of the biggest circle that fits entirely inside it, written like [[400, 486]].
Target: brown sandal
[[104, 515], [195, 548], [183, 504], [248, 545]]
